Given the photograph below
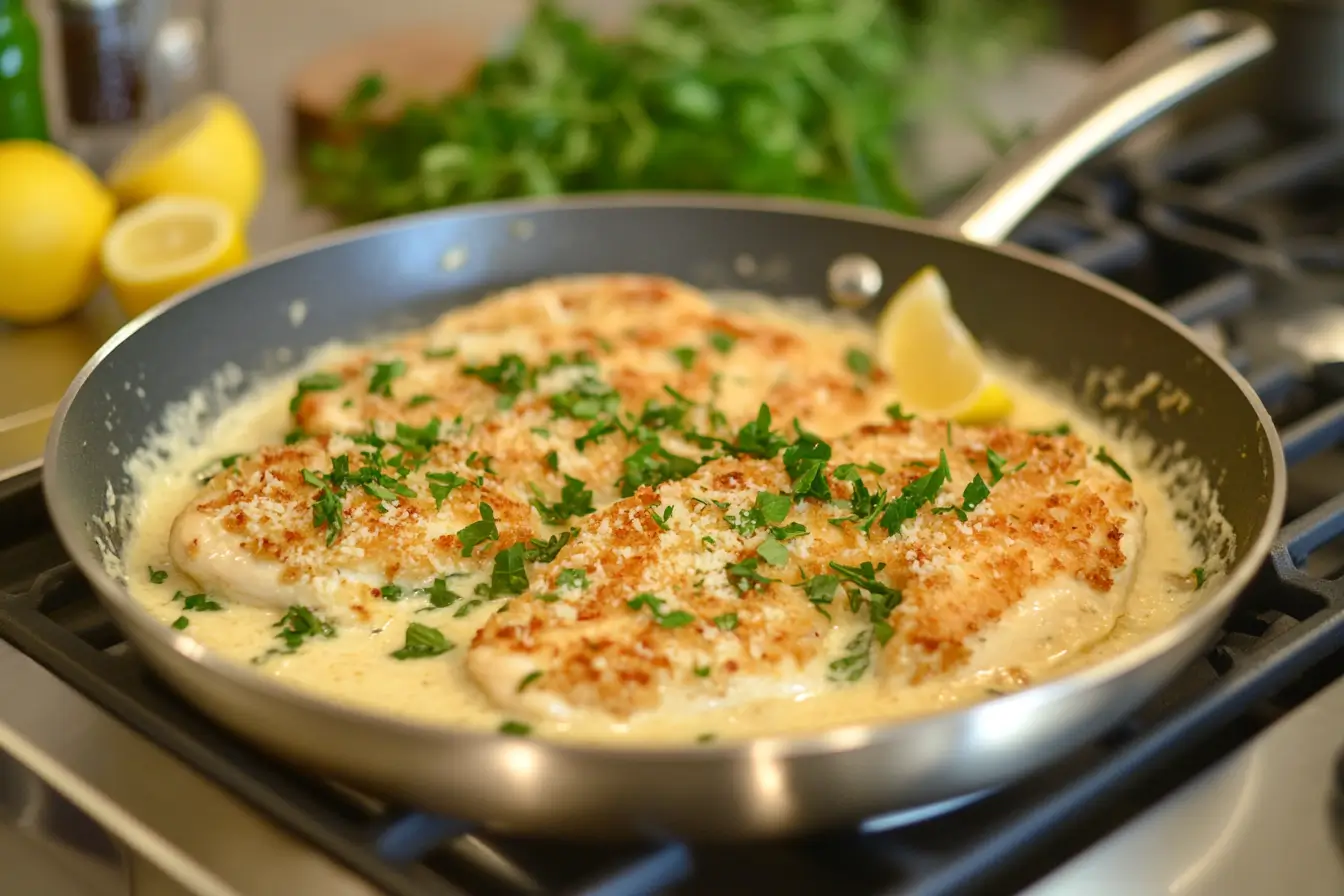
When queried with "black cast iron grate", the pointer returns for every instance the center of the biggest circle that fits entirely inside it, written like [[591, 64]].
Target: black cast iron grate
[[1213, 254]]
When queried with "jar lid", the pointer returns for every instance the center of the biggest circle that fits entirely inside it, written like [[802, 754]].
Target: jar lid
[[94, 4]]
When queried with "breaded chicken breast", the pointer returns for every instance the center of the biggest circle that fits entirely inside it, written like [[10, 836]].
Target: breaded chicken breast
[[329, 524], [924, 550], [619, 341]]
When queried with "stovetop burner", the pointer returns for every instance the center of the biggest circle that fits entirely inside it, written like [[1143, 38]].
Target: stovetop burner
[[1235, 232]]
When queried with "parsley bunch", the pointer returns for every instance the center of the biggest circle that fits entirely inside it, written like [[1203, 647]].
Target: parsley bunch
[[780, 97]]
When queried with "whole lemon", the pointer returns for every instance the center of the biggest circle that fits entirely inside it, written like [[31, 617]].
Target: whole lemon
[[53, 214], [206, 148]]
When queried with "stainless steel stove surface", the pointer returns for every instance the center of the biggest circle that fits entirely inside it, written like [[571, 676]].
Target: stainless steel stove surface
[[1225, 783]]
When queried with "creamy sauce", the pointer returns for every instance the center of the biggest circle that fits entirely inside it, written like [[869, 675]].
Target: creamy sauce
[[355, 667]]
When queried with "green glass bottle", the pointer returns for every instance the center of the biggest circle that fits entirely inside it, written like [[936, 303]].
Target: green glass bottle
[[23, 110]]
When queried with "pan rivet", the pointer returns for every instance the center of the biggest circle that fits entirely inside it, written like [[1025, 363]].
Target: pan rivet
[[854, 280], [523, 229], [744, 266], [453, 259]]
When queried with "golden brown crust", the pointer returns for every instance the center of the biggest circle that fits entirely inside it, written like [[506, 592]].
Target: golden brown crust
[[1056, 517]]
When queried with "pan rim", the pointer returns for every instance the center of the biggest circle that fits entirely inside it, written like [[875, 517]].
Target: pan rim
[[69, 526]]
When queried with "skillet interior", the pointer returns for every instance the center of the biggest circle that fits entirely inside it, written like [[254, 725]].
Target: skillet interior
[[407, 271]]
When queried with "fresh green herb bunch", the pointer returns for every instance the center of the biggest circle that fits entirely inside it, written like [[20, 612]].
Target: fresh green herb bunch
[[781, 97]]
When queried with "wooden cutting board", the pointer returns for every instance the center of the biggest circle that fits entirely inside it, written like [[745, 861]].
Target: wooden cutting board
[[417, 63]]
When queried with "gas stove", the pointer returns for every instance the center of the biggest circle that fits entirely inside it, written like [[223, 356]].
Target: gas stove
[[1227, 782]]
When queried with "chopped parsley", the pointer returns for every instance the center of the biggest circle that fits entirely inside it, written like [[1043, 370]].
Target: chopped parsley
[[481, 531], [538, 551], [383, 375], [440, 354], [595, 433], [300, 624], [572, 577], [792, 530], [587, 399], [856, 660], [723, 342], [314, 382], [685, 356], [326, 510], [726, 622], [417, 400], [391, 592], [508, 575], [1200, 577], [851, 472], [773, 508], [820, 590], [975, 492], [1059, 429], [157, 576], [528, 679], [467, 607], [894, 412], [440, 595], [756, 439], [181, 622], [576, 499], [772, 552], [422, 642], [474, 459], [864, 506], [552, 461], [417, 439], [651, 464], [510, 376], [675, 619], [662, 520], [515, 729], [859, 362], [997, 463], [865, 577], [1111, 462], [805, 462], [441, 485], [882, 599], [702, 671], [200, 603], [743, 575], [915, 495]]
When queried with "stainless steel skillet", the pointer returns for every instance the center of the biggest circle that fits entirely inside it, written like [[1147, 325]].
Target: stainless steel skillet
[[359, 282]]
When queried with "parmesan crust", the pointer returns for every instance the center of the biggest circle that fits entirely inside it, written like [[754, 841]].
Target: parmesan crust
[[1058, 519]]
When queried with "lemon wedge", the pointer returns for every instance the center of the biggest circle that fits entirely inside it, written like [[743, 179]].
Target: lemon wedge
[[169, 244], [938, 366], [207, 148]]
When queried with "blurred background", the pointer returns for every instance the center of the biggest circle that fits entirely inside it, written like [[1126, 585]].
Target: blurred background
[[282, 120]]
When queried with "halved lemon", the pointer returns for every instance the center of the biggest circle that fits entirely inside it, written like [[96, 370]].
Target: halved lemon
[[169, 244], [938, 366], [207, 148]]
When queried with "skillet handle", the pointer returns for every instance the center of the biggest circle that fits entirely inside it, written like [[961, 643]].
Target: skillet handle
[[1145, 80]]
